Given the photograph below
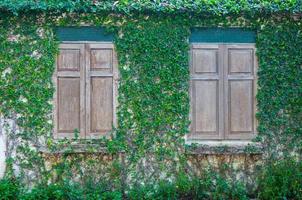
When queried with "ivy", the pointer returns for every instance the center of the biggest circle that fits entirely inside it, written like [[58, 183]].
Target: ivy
[[280, 86], [153, 113], [26, 67], [212, 7], [154, 101]]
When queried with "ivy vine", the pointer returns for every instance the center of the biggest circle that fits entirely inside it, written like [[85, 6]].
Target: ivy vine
[[154, 85], [153, 113]]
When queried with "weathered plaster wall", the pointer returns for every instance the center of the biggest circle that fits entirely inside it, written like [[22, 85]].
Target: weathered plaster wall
[[2, 150], [234, 165], [8, 129], [97, 167], [241, 167]]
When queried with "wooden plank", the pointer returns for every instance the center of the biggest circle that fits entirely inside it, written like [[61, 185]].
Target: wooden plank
[[241, 106], [101, 59], [206, 107], [69, 60], [68, 105], [101, 105], [205, 60], [240, 61], [100, 73], [115, 73], [68, 74]]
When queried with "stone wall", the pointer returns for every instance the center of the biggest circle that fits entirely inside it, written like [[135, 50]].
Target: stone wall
[[232, 163]]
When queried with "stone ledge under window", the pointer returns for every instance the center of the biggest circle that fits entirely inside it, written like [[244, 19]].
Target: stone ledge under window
[[200, 147], [224, 147], [74, 148]]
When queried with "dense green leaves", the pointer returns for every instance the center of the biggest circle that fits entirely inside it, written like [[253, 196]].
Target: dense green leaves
[[210, 186], [279, 50], [153, 112], [9, 189], [27, 55], [153, 88], [214, 7], [281, 180]]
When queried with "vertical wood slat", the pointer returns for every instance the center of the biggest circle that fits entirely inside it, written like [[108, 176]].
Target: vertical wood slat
[[69, 80], [68, 104]]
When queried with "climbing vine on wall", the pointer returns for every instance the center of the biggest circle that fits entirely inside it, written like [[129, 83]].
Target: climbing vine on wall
[[26, 65], [280, 86], [154, 101], [153, 113]]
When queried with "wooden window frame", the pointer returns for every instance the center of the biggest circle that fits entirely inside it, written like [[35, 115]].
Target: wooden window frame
[[85, 74], [223, 78]]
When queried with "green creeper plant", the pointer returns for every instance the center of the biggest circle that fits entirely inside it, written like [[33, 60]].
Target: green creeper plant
[[279, 50], [153, 93], [151, 39]]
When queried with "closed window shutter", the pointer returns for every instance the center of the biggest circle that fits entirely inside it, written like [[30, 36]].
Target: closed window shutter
[[100, 89], [240, 86], [86, 90], [69, 114], [206, 92], [223, 88]]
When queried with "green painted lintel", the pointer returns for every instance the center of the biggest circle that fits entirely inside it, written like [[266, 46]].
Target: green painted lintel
[[222, 35], [88, 33]]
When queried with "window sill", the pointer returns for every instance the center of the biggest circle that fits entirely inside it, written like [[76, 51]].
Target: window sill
[[74, 148], [224, 147], [192, 147]]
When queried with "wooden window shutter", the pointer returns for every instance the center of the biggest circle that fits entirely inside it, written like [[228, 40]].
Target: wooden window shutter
[[101, 88], [223, 89], [206, 92], [240, 91], [86, 88], [69, 113]]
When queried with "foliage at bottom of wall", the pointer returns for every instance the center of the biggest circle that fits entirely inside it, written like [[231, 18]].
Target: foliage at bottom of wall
[[278, 180], [209, 186]]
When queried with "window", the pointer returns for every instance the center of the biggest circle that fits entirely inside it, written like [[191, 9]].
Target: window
[[86, 88], [223, 88]]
